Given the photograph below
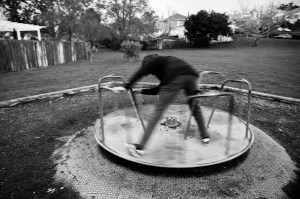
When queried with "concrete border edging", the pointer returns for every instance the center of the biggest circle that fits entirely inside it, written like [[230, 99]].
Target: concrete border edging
[[94, 87]]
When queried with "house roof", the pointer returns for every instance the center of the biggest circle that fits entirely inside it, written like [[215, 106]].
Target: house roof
[[177, 16], [10, 26], [296, 10], [288, 12]]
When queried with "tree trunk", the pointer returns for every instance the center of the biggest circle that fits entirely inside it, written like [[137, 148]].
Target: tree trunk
[[51, 29], [70, 35], [256, 42], [160, 44]]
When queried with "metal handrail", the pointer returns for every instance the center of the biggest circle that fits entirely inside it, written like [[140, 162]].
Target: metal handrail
[[130, 93], [204, 72], [242, 81]]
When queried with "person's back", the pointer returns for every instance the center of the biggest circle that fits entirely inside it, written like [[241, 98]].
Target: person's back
[[176, 67], [165, 68]]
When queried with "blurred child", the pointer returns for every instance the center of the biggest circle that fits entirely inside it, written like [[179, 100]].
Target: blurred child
[[174, 74]]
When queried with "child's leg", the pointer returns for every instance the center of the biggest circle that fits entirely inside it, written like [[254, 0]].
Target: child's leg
[[166, 96], [191, 88], [199, 119]]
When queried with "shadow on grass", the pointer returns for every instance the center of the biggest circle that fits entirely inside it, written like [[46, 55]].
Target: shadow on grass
[[292, 189]]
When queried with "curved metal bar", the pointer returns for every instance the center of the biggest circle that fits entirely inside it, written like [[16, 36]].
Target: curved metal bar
[[215, 106], [112, 76], [208, 95], [130, 93], [136, 109], [189, 120], [204, 72], [229, 127], [101, 113], [242, 81]]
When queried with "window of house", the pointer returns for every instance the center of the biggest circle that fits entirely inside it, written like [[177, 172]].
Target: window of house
[[180, 23]]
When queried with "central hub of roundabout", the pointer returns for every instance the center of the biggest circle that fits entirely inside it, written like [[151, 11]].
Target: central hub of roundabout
[[171, 122]]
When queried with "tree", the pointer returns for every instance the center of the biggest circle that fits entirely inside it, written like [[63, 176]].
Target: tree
[[60, 16], [297, 25], [24, 11], [257, 22], [49, 16], [89, 25], [203, 27], [165, 26], [289, 6], [42, 12], [149, 19], [123, 13], [69, 12], [144, 25], [19, 10]]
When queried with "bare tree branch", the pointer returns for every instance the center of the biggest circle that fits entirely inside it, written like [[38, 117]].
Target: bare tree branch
[[258, 21]]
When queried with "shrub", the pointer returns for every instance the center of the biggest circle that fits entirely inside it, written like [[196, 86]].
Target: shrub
[[131, 49], [203, 27], [115, 44], [145, 45], [150, 44], [106, 42]]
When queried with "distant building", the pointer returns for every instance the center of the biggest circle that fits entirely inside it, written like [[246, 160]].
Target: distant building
[[173, 26], [2, 16], [9, 28], [289, 15]]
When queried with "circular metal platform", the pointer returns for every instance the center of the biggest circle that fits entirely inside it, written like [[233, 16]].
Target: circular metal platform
[[167, 147]]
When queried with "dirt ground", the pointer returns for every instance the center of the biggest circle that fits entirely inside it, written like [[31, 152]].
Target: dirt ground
[[30, 132]]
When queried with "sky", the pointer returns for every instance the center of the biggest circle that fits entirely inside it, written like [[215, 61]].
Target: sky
[[164, 7]]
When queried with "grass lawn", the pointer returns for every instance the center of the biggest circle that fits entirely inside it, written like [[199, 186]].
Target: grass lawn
[[273, 67], [30, 132]]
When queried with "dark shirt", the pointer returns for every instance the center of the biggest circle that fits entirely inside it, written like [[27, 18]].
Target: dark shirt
[[165, 68]]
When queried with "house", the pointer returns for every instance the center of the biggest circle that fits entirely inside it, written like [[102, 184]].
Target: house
[[173, 26], [293, 15], [289, 15], [2, 16], [14, 27]]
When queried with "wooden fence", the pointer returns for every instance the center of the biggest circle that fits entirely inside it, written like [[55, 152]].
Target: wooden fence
[[16, 55]]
